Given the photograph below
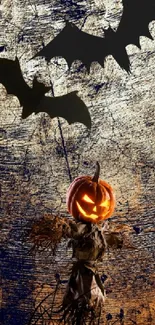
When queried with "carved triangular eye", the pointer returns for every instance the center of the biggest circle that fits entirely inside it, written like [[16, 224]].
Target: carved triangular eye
[[86, 198], [105, 204]]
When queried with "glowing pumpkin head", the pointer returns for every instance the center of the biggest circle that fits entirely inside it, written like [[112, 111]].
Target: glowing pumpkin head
[[90, 198]]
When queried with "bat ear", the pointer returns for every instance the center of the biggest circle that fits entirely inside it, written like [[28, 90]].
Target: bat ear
[[109, 32], [16, 62], [68, 24], [40, 87]]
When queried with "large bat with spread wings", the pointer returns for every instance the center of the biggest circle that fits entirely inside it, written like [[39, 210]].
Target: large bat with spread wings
[[69, 106], [73, 44]]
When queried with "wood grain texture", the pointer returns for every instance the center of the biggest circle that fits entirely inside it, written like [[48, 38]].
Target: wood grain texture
[[33, 172]]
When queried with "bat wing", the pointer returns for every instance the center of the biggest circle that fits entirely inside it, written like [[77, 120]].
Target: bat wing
[[73, 44], [69, 106], [12, 79], [137, 14]]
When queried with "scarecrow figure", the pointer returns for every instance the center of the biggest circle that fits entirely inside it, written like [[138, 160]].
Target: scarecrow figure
[[90, 201]]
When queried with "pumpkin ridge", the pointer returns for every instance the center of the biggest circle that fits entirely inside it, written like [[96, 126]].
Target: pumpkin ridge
[[72, 191], [73, 207], [72, 188]]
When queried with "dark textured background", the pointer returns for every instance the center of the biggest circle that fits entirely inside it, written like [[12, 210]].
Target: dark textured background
[[33, 171]]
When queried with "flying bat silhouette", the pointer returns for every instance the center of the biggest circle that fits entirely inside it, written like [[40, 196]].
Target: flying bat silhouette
[[73, 44], [69, 106]]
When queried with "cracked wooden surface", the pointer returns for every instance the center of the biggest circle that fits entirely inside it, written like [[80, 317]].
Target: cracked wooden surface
[[34, 175]]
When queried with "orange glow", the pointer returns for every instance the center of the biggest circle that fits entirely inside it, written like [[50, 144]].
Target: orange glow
[[87, 198], [105, 204], [94, 209], [92, 216]]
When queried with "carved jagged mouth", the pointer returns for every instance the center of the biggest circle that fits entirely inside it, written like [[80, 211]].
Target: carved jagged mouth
[[92, 215]]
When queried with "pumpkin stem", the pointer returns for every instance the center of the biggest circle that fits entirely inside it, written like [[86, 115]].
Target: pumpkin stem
[[97, 172]]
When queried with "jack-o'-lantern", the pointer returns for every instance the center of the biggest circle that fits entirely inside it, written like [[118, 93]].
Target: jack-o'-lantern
[[90, 198]]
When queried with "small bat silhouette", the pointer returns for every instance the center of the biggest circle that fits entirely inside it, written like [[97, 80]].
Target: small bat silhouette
[[69, 106], [73, 44]]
